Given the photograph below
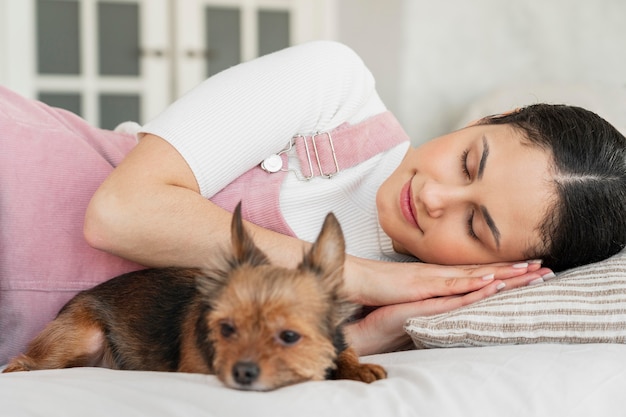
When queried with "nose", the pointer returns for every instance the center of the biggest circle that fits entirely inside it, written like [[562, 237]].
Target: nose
[[245, 373], [438, 197]]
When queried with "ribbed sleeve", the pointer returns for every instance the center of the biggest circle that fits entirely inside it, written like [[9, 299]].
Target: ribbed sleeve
[[235, 119]]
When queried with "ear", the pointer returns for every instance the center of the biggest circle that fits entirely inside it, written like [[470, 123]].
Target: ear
[[214, 278], [328, 254], [244, 249]]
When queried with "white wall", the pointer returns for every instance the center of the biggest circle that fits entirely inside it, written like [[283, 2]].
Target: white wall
[[16, 36], [433, 59], [374, 29]]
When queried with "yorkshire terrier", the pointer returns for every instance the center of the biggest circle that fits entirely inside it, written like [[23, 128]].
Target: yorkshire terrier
[[256, 326]]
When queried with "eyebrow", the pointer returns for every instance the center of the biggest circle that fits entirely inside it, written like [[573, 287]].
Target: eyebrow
[[488, 219], [492, 225], [483, 158]]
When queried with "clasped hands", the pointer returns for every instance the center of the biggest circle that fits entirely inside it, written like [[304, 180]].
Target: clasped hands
[[398, 291]]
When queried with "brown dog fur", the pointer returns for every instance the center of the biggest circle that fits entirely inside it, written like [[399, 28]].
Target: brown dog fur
[[255, 325]]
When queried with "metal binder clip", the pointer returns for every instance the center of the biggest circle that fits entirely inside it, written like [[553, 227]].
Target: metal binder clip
[[317, 157], [274, 163]]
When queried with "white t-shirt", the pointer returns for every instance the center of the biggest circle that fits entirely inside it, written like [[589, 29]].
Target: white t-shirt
[[237, 118]]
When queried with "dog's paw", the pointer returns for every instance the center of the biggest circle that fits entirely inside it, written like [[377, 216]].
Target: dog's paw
[[364, 372], [371, 372], [349, 367]]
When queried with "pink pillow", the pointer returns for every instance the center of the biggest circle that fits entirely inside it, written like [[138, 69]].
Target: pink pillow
[[51, 162]]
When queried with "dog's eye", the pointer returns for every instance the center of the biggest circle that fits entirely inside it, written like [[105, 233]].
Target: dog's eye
[[289, 337], [227, 329]]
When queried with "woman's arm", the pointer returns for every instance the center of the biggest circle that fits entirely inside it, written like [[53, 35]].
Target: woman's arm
[[149, 210]]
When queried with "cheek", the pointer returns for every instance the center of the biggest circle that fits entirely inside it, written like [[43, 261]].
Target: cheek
[[445, 248], [437, 252], [434, 154]]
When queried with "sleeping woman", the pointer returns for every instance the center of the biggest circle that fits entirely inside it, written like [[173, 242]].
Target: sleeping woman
[[503, 203]]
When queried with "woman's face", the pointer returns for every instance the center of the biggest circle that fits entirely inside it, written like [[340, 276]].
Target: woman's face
[[477, 195]]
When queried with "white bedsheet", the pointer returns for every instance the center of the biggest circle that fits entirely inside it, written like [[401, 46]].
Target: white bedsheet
[[504, 381]]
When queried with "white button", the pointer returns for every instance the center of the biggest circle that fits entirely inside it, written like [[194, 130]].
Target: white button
[[272, 163]]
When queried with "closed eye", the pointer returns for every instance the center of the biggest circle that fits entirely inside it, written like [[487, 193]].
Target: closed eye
[[470, 226], [464, 163]]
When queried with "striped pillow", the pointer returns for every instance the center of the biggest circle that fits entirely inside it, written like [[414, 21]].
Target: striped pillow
[[582, 305]]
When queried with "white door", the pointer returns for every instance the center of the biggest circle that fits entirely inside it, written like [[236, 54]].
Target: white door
[[92, 57], [116, 60], [212, 35]]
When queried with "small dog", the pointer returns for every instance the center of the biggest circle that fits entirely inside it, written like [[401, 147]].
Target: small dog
[[255, 325]]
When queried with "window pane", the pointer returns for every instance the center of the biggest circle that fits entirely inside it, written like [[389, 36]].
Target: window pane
[[222, 38], [118, 38], [58, 37], [67, 101], [273, 31], [118, 108]]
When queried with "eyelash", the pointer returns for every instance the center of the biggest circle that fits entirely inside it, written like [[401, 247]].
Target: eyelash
[[464, 163], [470, 228], [470, 220]]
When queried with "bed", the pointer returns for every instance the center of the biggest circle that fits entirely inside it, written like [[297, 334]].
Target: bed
[[516, 380], [554, 349], [530, 357]]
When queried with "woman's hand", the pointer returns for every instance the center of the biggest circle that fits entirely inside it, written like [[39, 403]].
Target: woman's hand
[[406, 290], [377, 283]]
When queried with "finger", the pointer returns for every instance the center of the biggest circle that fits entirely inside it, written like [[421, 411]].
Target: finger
[[445, 304], [398, 313], [504, 271], [454, 286], [531, 278]]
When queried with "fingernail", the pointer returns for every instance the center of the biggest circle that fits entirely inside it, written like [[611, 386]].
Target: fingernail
[[521, 265], [489, 277], [536, 281], [500, 286], [548, 276], [535, 261]]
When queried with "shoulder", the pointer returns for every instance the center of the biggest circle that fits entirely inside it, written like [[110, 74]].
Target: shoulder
[[318, 54], [327, 48]]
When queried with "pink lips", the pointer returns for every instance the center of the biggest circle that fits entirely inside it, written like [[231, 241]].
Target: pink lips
[[406, 205]]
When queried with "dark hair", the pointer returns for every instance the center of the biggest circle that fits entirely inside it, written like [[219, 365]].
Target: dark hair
[[587, 221]]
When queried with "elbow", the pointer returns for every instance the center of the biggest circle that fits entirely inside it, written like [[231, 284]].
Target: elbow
[[99, 228]]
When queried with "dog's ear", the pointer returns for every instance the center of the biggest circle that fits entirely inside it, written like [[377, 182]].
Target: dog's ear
[[328, 254], [326, 259], [244, 249]]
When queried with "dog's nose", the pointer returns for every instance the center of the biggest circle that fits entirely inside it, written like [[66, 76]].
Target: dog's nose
[[245, 373]]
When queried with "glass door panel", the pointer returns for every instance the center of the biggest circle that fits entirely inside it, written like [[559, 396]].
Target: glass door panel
[[91, 59], [118, 55], [273, 28], [223, 38], [67, 101], [58, 37], [118, 38], [117, 108]]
